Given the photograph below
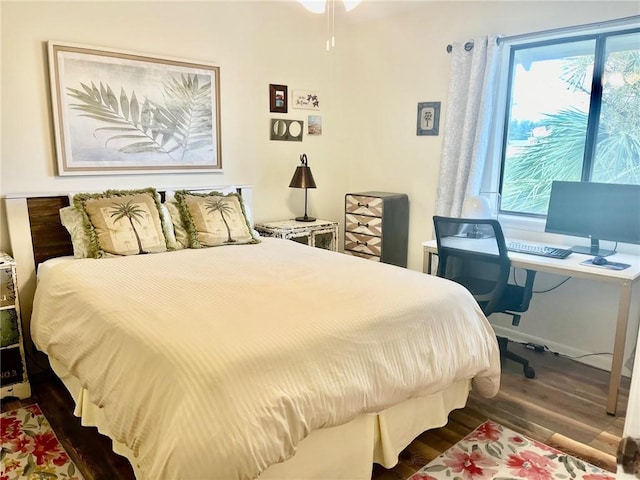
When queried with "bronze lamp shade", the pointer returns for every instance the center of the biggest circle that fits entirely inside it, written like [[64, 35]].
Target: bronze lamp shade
[[303, 178]]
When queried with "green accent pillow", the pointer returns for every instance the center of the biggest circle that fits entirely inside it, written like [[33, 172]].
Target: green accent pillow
[[123, 222], [213, 219], [73, 221], [180, 232]]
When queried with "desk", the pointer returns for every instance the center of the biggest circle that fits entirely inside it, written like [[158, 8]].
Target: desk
[[570, 267]]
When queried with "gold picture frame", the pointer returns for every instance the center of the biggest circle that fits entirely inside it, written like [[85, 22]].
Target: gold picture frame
[[118, 112]]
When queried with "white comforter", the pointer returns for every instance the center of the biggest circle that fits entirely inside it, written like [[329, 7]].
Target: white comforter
[[215, 363]]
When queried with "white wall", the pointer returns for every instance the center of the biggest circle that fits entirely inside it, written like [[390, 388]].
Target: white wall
[[254, 43], [370, 84], [403, 61]]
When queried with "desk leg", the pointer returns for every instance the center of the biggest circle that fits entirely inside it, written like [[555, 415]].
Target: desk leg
[[427, 261], [624, 305]]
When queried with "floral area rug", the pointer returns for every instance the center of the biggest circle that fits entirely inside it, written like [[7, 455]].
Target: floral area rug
[[30, 449], [495, 452]]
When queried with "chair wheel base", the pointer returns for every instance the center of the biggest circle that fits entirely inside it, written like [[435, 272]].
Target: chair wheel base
[[505, 353]]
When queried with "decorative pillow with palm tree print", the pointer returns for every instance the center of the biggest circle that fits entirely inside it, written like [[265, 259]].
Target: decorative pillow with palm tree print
[[123, 222], [212, 219]]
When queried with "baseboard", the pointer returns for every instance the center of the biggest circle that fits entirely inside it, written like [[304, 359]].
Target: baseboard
[[603, 362]]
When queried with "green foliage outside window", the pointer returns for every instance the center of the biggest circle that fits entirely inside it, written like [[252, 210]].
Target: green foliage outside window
[[553, 147]]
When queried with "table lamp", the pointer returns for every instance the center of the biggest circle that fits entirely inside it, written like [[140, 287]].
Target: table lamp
[[302, 178], [477, 206]]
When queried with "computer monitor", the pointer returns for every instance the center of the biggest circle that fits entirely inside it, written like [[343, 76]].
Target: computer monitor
[[599, 211]]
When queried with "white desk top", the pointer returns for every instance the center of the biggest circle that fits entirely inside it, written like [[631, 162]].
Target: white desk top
[[569, 266]]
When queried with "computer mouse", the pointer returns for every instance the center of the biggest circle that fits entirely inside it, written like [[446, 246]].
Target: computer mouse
[[599, 260]]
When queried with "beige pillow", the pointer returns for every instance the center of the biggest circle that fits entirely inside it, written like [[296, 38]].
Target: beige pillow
[[73, 220], [126, 222], [212, 219]]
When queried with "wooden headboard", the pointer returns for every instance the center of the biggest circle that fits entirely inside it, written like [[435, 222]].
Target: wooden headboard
[[49, 238], [37, 234]]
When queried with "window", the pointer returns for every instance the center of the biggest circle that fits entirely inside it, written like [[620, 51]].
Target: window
[[572, 113]]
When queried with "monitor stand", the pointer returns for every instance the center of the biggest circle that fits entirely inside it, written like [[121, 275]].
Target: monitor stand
[[593, 250]]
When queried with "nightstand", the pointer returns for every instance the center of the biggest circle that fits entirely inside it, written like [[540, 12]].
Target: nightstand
[[13, 379], [319, 233]]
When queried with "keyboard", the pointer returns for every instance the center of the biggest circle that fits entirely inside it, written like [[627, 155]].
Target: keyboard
[[541, 250]]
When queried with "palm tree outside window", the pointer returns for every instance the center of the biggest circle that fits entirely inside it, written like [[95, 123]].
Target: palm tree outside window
[[572, 114]]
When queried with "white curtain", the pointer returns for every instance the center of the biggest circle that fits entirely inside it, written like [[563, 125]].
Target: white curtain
[[472, 95]]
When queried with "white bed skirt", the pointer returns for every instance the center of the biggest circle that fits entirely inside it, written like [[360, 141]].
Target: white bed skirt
[[344, 452]]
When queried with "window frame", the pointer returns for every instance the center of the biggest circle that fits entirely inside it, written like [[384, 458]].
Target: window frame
[[493, 177]]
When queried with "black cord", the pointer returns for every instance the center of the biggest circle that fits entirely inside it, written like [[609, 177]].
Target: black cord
[[545, 348], [554, 287], [539, 291], [574, 357], [585, 355]]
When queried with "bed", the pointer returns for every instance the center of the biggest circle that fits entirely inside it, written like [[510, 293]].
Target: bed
[[268, 359]]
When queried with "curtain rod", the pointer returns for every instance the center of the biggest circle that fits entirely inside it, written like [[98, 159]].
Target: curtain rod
[[607, 23]]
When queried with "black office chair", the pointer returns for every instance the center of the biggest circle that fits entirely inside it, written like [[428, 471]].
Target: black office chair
[[473, 253]]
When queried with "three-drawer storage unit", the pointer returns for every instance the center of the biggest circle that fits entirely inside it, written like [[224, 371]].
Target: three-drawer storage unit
[[376, 226], [13, 377]]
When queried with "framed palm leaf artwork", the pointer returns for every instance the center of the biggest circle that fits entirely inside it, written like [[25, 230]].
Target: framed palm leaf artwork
[[119, 112]]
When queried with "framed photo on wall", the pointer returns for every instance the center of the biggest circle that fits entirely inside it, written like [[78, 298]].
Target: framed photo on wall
[[314, 123], [286, 130], [305, 99], [277, 98], [428, 118], [119, 112]]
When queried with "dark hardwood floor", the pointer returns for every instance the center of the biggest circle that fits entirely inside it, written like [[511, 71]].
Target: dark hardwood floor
[[564, 406]]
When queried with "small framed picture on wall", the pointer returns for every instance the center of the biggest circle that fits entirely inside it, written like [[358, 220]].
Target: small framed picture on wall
[[314, 123], [277, 98], [428, 118], [305, 99]]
